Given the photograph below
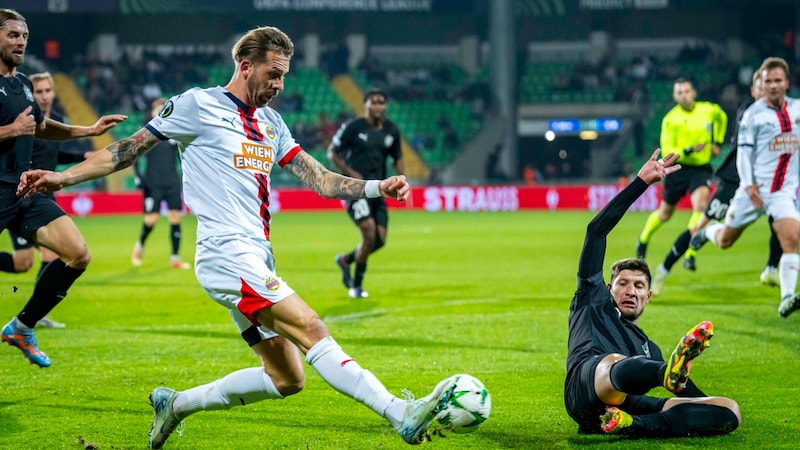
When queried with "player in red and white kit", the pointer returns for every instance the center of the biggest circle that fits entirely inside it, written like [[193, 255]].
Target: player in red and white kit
[[768, 172], [229, 142]]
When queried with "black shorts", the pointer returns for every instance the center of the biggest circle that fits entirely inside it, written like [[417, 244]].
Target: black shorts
[[685, 181], [718, 205], [153, 196], [24, 216], [585, 408], [365, 208], [19, 243], [580, 397]]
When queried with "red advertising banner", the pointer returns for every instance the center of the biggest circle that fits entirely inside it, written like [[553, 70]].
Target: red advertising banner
[[428, 198]]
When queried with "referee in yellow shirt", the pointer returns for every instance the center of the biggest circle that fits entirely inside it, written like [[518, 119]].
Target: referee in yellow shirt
[[695, 130]]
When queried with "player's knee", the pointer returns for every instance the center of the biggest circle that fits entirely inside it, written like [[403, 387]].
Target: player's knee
[[22, 265], [81, 259], [289, 385]]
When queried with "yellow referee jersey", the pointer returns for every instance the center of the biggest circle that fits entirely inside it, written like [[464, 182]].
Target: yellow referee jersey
[[681, 130]]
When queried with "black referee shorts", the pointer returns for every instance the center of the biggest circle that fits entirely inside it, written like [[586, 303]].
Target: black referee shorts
[[685, 181]]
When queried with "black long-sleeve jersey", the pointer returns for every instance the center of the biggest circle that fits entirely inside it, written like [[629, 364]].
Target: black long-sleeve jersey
[[161, 167], [16, 152], [47, 154], [596, 327]]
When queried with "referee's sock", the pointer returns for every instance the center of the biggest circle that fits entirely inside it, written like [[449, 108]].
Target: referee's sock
[[652, 224]]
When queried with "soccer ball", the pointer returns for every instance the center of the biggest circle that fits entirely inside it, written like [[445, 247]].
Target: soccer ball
[[468, 408]]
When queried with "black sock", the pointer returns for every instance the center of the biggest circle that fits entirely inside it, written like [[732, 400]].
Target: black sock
[[361, 268], [41, 269], [775, 250], [679, 247], [145, 232], [175, 236], [50, 289], [686, 419], [637, 375], [7, 262], [350, 258]]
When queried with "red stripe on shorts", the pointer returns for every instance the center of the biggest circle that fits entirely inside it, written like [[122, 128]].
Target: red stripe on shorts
[[251, 303]]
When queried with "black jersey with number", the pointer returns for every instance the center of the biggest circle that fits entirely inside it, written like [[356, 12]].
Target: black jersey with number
[[160, 166], [47, 154], [596, 326], [365, 148], [16, 94], [727, 170]]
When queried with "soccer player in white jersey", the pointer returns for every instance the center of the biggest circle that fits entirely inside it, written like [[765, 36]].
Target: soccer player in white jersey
[[229, 141], [768, 172]]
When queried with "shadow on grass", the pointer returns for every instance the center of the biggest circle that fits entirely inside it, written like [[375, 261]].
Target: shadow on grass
[[227, 335], [10, 425]]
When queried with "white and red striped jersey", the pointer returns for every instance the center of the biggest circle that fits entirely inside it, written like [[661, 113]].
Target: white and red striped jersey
[[228, 151], [768, 146]]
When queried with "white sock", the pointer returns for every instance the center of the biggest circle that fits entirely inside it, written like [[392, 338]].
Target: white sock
[[236, 389], [19, 325], [787, 271], [711, 232], [345, 375]]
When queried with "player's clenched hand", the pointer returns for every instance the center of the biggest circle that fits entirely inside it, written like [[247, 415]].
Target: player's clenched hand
[[755, 196], [395, 187], [105, 123], [655, 169], [25, 124], [33, 181]]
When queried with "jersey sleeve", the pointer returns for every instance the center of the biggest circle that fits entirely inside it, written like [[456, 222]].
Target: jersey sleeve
[[396, 150], [746, 148], [720, 124], [178, 119], [287, 146], [342, 135], [669, 141]]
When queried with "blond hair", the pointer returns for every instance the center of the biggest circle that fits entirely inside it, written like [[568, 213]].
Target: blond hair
[[255, 44]]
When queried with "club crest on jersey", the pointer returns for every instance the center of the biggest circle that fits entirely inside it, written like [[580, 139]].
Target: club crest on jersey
[[27, 91], [256, 157], [269, 130], [167, 109], [272, 283], [388, 140]]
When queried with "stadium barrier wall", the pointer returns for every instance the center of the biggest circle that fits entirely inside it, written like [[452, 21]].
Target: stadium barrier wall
[[428, 198]]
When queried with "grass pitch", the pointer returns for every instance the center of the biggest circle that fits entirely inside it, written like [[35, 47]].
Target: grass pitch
[[484, 294]]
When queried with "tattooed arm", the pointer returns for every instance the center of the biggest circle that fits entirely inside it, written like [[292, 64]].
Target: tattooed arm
[[117, 156], [332, 185]]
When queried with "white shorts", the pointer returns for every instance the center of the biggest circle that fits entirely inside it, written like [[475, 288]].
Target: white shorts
[[240, 275], [778, 205]]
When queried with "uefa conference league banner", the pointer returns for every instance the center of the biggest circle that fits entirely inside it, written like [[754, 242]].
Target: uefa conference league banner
[[151, 7]]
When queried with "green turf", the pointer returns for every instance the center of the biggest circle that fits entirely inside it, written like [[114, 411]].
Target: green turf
[[485, 294]]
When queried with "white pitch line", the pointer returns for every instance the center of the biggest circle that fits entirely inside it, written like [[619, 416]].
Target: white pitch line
[[381, 311]]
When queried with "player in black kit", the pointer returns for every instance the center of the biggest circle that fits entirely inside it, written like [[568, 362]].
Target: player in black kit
[[37, 219], [46, 155], [160, 180], [360, 150], [728, 182], [611, 363]]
